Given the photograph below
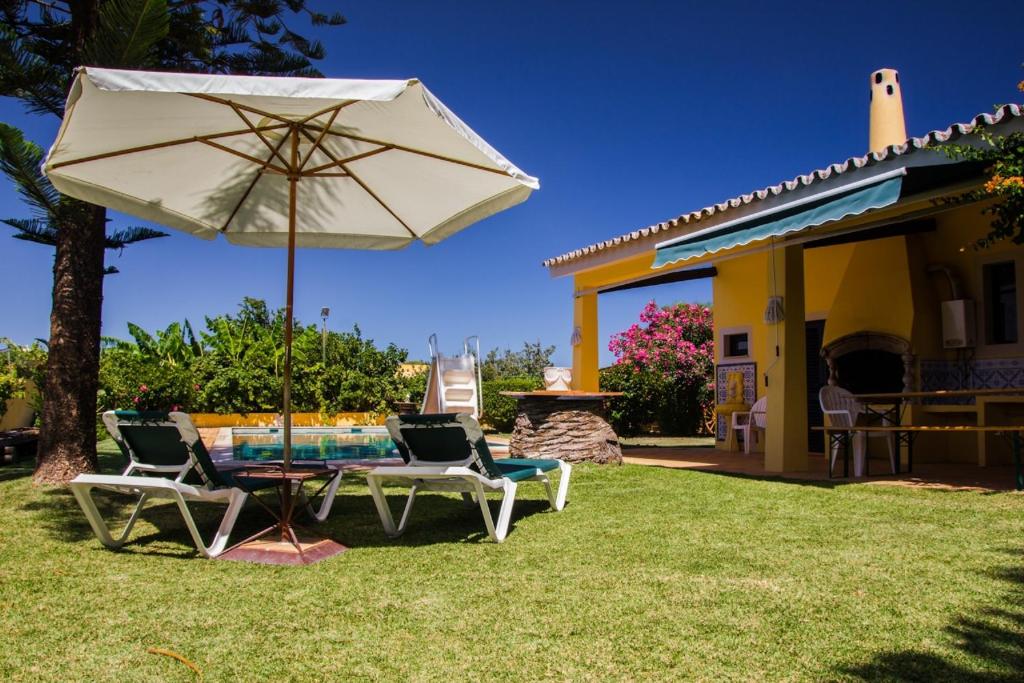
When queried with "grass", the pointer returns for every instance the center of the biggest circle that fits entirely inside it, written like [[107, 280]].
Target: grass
[[648, 574]]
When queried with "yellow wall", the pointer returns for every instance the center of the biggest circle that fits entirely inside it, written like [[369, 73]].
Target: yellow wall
[[879, 285], [874, 293]]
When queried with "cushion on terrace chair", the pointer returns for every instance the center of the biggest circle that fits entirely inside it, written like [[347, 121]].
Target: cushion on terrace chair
[[155, 442], [151, 444], [448, 452]]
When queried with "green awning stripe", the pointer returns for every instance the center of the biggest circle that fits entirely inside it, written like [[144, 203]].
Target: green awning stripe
[[874, 197]]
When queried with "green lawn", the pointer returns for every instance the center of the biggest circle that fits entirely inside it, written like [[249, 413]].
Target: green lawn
[[647, 574]]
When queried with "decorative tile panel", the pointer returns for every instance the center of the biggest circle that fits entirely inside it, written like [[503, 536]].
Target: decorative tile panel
[[749, 371], [998, 373]]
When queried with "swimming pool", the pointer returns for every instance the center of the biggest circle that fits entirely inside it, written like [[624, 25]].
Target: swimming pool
[[257, 444], [254, 444]]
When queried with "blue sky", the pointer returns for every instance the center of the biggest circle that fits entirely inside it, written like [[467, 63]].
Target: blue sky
[[630, 113]]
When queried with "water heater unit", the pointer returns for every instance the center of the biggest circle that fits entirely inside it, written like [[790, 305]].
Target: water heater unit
[[957, 324]]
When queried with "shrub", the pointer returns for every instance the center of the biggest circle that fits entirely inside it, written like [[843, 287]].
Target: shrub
[[9, 385], [510, 364], [416, 387], [237, 366], [130, 380], [21, 367], [664, 365], [500, 411]]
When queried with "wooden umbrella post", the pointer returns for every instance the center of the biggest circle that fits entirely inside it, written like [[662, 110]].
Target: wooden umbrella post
[[293, 180]]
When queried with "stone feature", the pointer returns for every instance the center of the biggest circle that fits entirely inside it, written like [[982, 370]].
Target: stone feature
[[570, 430]]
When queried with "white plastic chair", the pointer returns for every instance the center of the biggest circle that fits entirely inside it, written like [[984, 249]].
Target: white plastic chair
[[841, 411], [752, 423]]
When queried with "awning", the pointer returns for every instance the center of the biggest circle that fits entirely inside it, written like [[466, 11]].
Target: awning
[[817, 210]]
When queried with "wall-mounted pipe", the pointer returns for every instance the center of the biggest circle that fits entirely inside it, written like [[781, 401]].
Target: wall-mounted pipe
[[956, 289]]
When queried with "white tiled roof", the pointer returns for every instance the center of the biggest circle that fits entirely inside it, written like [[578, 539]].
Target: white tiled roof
[[1004, 113]]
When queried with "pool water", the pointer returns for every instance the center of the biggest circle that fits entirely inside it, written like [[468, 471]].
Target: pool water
[[313, 443]]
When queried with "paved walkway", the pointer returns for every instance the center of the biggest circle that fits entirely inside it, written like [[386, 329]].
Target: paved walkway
[[947, 476]]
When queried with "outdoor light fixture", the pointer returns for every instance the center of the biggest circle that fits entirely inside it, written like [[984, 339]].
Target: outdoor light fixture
[[774, 313], [324, 312]]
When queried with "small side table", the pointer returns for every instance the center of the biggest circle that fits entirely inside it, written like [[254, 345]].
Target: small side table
[[288, 542]]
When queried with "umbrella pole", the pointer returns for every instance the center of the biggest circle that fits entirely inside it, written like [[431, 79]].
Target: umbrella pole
[[293, 180]]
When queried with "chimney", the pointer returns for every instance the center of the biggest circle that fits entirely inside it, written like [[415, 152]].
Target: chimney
[[887, 125]]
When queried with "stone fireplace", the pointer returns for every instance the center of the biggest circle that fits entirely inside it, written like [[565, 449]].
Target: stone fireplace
[[870, 362]]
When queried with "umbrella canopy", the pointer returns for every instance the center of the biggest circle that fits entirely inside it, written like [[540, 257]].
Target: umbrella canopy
[[381, 163], [269, 161]]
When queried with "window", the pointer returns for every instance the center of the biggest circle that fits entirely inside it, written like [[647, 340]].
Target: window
[[736, 345], [1000, 302]]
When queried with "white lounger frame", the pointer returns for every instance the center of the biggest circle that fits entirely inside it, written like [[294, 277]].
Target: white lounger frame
[[463, 480], [148, 488]]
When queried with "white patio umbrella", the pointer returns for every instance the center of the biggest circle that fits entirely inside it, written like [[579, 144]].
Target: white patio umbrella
[[272, 162]]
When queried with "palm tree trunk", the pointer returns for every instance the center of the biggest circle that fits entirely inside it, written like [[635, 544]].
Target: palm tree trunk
[[67, 440]]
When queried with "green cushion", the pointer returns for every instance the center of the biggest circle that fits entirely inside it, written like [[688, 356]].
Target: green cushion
[[543, 465], [442, 437], [245, 483], [517, 472], [154, 444]]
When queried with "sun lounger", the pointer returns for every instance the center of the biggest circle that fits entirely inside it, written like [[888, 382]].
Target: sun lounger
[[164, 433], [448, 452], [150, 442]]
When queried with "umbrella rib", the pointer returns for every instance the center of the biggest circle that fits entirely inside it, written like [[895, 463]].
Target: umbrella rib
[[157, 145], [347, 160], [366, 188], [258, 133], [243, 107], [319, 139], [255, 179], [420, 152], [261, 162], [323, 111]]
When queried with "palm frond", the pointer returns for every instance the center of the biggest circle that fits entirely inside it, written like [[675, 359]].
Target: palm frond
[[122, 238], [127, 33], [321, 19], [144, 340], [21, 161], [31, 74], [33, 230]]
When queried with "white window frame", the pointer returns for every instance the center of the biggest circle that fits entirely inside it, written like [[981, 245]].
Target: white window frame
[[983, 348], [729, 331]]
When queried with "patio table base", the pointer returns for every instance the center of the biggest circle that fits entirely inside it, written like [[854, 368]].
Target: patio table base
[[275, 551], [285, 542]]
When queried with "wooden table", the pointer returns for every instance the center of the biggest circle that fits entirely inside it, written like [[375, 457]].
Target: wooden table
[[896, 402], [901, 396], [568, 425], [904, 436]]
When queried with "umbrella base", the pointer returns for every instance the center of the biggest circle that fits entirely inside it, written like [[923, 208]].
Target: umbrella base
[[289, 547]]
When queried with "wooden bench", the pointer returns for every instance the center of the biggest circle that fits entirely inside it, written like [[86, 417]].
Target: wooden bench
[[18, 443], [904, 436]]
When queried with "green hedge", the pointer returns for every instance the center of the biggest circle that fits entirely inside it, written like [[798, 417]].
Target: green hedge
[[654, 404], [500, 411]]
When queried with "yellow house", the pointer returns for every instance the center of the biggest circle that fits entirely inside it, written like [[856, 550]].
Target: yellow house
[[870, 280]]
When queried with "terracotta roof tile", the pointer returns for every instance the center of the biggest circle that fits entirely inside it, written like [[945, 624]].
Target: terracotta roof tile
[[935, 137]]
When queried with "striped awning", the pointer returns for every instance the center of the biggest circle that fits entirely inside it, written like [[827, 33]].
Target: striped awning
[[810, 212]]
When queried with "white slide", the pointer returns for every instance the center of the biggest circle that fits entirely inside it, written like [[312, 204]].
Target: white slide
[[453, 385]]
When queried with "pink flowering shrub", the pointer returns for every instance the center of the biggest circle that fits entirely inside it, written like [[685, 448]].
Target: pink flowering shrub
[[665, 366]]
